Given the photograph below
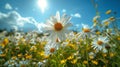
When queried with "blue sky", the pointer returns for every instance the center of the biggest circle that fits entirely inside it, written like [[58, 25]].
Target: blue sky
[[25, 14]]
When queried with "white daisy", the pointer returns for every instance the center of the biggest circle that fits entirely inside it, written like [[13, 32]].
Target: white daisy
[[51, 47], [86, 31], [99, 43], [58, 26]]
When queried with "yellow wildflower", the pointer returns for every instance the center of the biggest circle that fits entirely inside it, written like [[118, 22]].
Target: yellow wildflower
[[94, 62], [112, 54], [91, 56], [104, 54], [14, 57], [33, 48], [41, 53], [108, 12], [74, 61], [28, 56], [118, 38], [2, 55], [98, 33], [70, 57], [19, 55], [85, 62], [63, 61], [5, 41], [72, 46]]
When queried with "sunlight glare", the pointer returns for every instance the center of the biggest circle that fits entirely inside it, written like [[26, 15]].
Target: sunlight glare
[[42, 4]]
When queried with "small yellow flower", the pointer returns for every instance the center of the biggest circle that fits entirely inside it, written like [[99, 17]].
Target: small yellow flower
[[2, 55], [74, 61], [43, 43], [63, 61], [104, 54], [6, 41], [98, 33], [41, 53], [94, 62], [14, 57], [108, 12], [70, 57], [85, 62], [91, 56], [28, 56], [72, 46], [112, 54], [118, 38], [33, 48], [46, 56], [19, 55]]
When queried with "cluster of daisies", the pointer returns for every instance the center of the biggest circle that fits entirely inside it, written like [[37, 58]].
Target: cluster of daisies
[[60, 47]]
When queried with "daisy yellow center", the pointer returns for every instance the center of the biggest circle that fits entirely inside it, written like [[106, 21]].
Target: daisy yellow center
[[86, 30], [58, 26], [52, 50], [99, 42]]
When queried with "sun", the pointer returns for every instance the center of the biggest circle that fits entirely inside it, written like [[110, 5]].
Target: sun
[[42, 4]]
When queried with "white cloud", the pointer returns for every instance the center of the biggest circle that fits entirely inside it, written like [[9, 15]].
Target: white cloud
[[13, 19], [63, 10], [8, 6], [77, 15]]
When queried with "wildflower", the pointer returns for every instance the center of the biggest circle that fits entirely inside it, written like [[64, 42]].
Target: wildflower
[[106, 22], [74, 61], [85, 62], [99, 43], [23, 63], [98, 32], [72, 46], [11, 63], [70, 57], [63, 61], [28, 56], [33, 48], [5, 42], [94, 62], [58, 26], [51, 47], [111, 54], [2, 55], [14, 58], [85, 28], [41, 53], [92, 55], [108, 12], [19, 55], [95, 19], [104, 54], [112, 19], [118, 38]]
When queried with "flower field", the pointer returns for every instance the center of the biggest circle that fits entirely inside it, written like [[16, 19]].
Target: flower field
[[96, 46]]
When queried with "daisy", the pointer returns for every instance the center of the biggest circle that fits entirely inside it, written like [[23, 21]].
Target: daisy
[[99, 43], [86, 31], [58, 26], [51, 47]]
